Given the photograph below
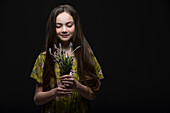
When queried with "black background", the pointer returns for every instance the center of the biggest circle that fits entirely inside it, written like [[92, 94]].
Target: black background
[[129, 39]]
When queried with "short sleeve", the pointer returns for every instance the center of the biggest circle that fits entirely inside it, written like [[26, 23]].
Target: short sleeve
[[98, 68], [37, 71]]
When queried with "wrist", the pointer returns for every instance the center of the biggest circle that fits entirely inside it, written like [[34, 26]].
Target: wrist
[[84, 91], [53, 92], [79, 87], [76, 86]]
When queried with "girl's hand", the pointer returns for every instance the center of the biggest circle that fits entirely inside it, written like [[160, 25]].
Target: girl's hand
[[61, 90], [68, 81]]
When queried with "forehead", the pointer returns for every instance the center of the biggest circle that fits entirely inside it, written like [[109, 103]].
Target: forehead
[[64, 18]]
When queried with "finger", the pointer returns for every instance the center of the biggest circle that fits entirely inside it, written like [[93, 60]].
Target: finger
[[68, 85], [65, 86], [67, 82], [66, 76], [62, 86], [62, 93], [64, 90], [67, 79]]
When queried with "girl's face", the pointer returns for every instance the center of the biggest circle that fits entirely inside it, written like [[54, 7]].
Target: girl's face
[[65, 26]]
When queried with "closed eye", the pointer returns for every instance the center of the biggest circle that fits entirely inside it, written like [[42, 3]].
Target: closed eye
[[58, 25], [70, 24]]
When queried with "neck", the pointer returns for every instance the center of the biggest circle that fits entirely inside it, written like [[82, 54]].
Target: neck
[[65, 45]]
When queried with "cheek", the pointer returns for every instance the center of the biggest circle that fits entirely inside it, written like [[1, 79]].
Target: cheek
[[58, 31], [72, 29]]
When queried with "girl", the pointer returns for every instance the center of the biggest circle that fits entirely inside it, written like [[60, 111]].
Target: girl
[[66, 93]]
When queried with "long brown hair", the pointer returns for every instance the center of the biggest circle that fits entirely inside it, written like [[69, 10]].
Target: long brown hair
[[85, 63]]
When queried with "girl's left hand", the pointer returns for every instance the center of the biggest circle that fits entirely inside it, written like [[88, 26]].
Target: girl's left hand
[[68, 81]]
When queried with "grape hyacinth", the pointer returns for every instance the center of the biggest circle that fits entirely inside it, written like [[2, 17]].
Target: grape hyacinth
[[64, 60]]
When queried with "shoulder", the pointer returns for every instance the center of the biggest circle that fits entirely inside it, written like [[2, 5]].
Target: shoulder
[[90, 51], [42, 53], [41, 56]]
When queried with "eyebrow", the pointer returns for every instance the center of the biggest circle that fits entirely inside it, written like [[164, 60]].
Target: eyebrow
[[66, 22]]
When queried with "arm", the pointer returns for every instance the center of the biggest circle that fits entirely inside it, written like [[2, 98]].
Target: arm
[[41, 97], [84, 91]]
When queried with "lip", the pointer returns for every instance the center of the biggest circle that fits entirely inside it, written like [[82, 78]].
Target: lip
[[65, 36]]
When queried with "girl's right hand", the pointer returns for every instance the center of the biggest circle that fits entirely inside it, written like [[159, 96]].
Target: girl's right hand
[[61, 90]]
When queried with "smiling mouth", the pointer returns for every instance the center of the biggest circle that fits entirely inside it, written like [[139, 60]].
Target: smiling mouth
[[65, 36]]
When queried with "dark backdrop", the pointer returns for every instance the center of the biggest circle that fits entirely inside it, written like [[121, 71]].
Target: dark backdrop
[[129, 39]]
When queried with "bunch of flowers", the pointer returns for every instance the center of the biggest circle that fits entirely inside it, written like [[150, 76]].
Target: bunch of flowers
[[64, 60]]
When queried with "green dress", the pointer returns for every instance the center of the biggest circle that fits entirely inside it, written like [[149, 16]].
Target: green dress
[[75, 103]]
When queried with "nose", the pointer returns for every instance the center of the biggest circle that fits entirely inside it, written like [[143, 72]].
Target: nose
[[64, 30]]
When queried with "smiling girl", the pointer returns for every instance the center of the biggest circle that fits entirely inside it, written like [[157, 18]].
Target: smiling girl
[[52, 89]]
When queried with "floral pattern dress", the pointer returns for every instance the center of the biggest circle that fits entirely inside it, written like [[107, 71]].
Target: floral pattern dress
[[72, 104]]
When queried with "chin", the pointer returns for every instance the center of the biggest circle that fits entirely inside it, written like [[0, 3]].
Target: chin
[[64, 39]]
